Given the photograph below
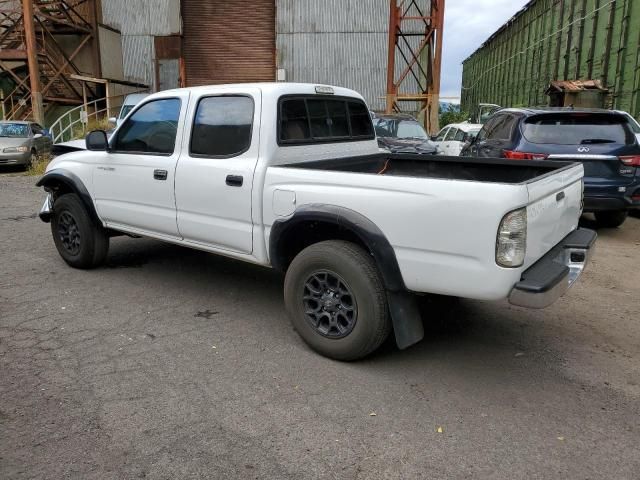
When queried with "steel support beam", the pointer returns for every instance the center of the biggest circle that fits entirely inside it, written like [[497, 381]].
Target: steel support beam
[[32, 61], [415, 57]]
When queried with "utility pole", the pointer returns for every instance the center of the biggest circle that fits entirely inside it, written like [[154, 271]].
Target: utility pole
[[32, 59]]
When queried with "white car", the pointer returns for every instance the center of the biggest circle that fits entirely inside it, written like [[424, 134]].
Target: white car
[[130, 101], [289, 176], [452, 138]]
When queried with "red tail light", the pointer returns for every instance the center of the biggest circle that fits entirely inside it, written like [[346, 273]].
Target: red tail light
[[631, 161], [513, 155]]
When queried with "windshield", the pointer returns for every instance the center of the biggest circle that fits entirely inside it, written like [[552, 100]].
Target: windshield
[[14, 130], [399, 128], [577, 129], [125, 110], [473, 133]]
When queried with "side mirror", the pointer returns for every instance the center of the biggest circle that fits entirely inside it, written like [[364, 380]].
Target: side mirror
[[37, 135], [97, 141], [433, 138]]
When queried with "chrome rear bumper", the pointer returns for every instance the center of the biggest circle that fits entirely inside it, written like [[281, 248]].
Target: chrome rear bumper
[[551, 276]]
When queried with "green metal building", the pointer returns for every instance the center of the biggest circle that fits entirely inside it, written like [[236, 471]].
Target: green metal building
[[560, 52]]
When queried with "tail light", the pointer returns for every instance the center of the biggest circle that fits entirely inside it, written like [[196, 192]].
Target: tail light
[[513, 155], [511, 242], [631, 161]]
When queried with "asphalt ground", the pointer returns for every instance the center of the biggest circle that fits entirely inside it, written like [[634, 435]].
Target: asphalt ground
[[170, 363]]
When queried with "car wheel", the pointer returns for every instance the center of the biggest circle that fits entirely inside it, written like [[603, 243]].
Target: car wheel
[[336, 300], [79, 241], [33, 159], [611, 219]]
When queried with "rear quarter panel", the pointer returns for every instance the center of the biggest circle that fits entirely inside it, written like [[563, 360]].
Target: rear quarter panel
[[443, 232]]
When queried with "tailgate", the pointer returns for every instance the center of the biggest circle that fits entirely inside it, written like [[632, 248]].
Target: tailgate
[[555, 205]]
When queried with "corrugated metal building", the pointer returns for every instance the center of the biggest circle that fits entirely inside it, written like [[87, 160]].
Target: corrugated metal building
[[165, 43], [566, 40]]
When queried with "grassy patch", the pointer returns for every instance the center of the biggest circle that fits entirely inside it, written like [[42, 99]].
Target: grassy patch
[[38, 167], [94, 124]]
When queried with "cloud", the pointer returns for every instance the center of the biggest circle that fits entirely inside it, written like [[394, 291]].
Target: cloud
[[467, 24]]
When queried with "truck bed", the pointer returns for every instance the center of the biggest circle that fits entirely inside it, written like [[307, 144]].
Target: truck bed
[[492, 170]]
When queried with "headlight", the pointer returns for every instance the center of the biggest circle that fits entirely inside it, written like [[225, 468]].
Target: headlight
[[22, 149], [511, 244]]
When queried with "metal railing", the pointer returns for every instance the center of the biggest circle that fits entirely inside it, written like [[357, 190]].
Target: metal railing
[[66, 126]]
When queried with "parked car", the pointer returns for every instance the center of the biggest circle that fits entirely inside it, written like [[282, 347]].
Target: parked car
[[289, 176], [129, 102], [633, 124], [401, 133], [22, 142], [603, 140], [452, 138]]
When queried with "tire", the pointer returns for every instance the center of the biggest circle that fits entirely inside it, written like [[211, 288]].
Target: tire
[[611, 218], [356, 321], [33, 158], [80, 242]]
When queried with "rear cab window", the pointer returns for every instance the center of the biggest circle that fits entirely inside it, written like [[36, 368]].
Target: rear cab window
[[308, 119], [577, 129]]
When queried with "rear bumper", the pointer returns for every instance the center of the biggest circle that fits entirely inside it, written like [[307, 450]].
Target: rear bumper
[[551, 276]]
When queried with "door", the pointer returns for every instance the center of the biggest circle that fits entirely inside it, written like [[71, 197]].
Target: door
[[41, 142], [133, 181], [440, 138], [447, 145], [496, 136], [214, 177], [457, 143]]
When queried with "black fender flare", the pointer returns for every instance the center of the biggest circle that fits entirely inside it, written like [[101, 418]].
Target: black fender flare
[[407, 322], [61, 176]]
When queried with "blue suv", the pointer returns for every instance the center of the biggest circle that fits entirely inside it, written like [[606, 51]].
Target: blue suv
[[607, 142]]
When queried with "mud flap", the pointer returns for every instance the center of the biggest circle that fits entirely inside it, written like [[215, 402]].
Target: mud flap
[[407, 322]]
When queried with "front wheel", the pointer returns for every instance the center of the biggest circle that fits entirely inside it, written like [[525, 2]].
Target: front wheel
[[611, 219], [336, 300], [79, 241]]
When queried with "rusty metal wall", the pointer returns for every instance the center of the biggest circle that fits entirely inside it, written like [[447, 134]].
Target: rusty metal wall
[[339, 42], [228, 42], [139, 21]]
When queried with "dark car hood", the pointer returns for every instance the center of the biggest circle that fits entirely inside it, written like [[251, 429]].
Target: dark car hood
[[407, 145]]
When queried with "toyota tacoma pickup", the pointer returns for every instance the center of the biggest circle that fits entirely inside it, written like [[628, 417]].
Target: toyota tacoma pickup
[[290, 176]]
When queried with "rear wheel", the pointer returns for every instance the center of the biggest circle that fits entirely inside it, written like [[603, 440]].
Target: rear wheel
[[336, 300], [79, 241], [611, 219]]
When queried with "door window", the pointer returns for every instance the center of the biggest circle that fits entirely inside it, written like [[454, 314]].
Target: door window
[[442, 134], [151, 129], [222, 126], [451, 134], [459, 136], [35, 128], [502, 128]]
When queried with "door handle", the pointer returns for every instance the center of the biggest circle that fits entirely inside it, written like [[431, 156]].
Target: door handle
[[160, 174], [234, 180]]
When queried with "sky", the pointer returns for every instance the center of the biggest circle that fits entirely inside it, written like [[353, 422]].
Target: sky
[[467, 24]]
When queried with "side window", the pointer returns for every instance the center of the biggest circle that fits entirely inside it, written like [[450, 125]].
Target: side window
[[309, 119], [151, 129], [485, 133], [442, 134], [459, 136], [451, 134], [503, 127], [35, 128], [222, 126]]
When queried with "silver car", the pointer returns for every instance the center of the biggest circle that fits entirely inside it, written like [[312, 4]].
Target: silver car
[[22, 142]]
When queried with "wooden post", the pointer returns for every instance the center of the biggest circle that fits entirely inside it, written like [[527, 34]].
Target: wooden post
[[32, 59]]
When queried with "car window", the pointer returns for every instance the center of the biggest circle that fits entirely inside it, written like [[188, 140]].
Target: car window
[[399, 128], [151, 129], [35, 128], [633, 124], [442, 134], [578, 129], [125, 110], [459, 136], [451, 134], [14, 130], [502, 127], [222, 126], [311, 119]]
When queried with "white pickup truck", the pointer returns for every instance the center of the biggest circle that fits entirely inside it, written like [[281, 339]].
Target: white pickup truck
[[289, 176]]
